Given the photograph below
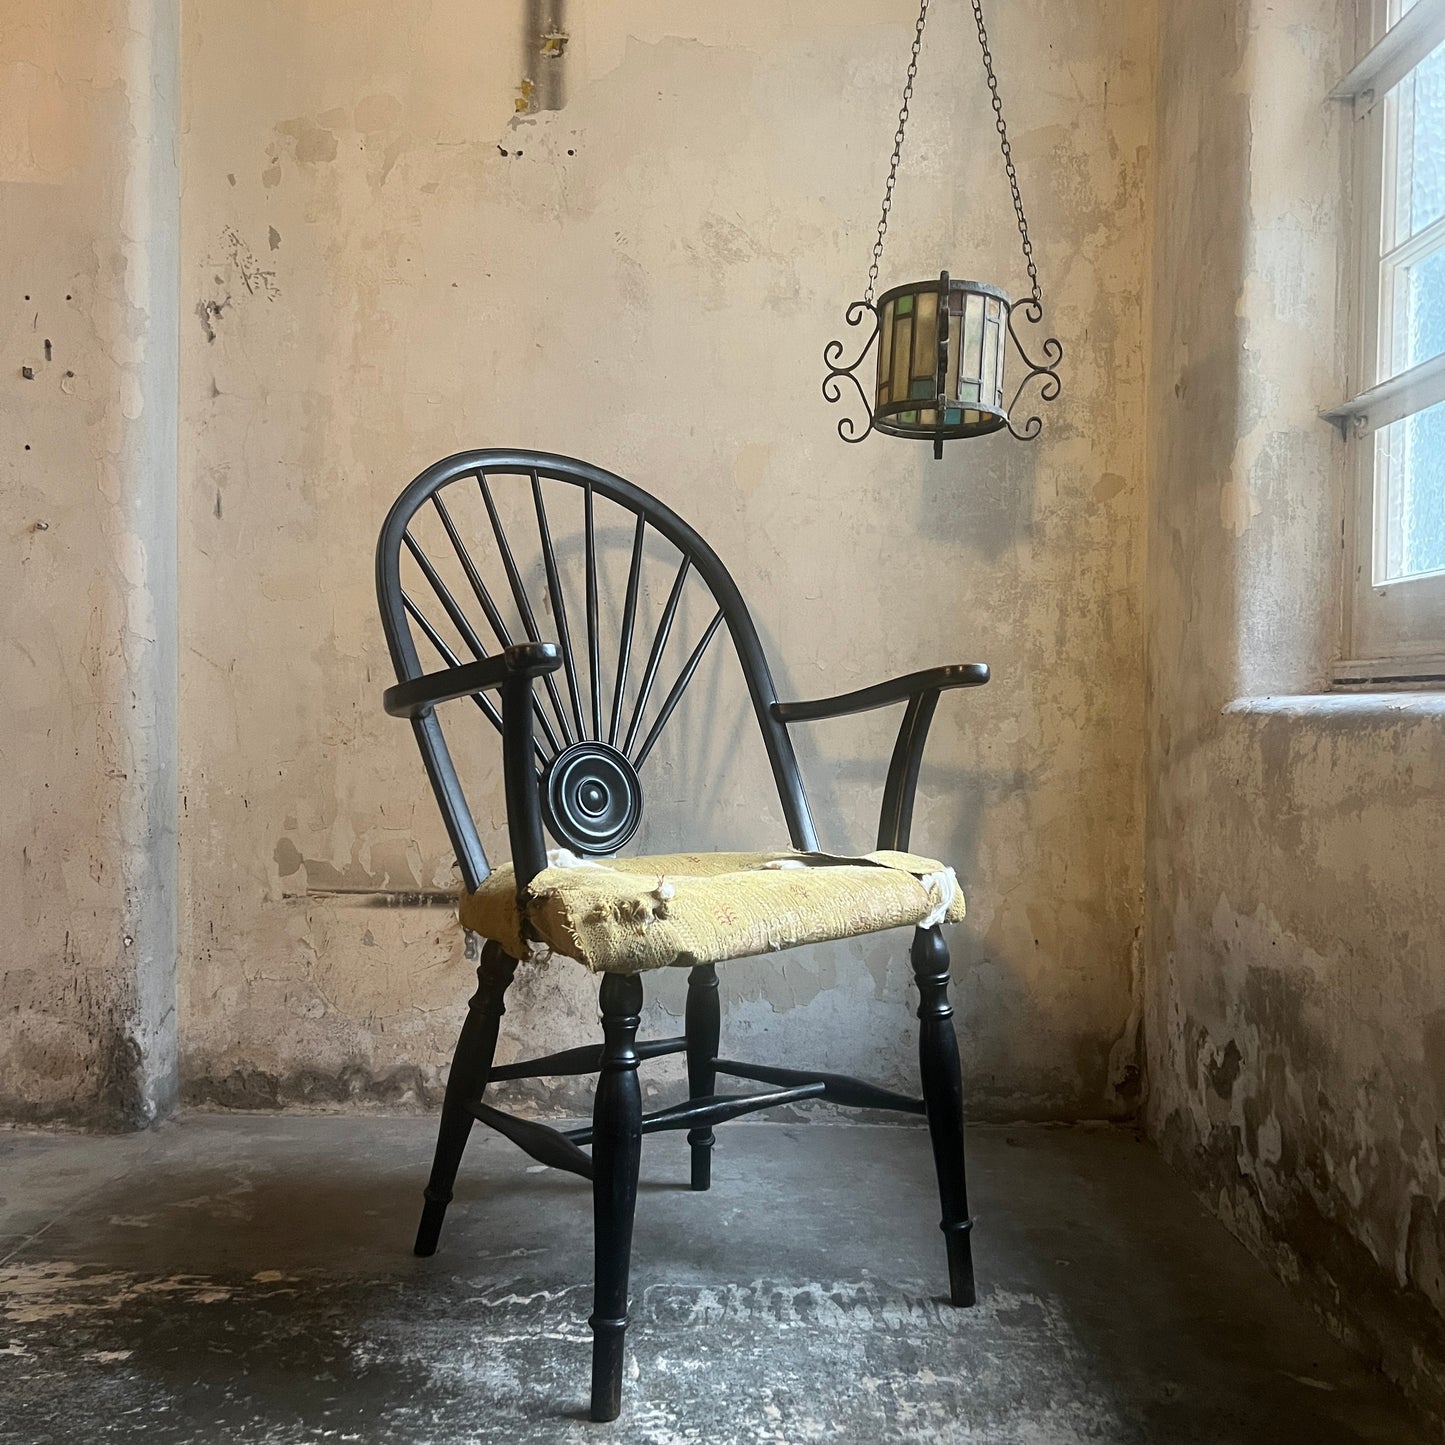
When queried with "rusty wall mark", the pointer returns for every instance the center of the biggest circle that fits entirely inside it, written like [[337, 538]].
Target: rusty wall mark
[[545, 40], [210, 312], [258, 280], [238, 261]]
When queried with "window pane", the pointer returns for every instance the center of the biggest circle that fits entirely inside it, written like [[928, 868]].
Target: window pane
[[1410, 500], [1420, 147], [1418, 313]]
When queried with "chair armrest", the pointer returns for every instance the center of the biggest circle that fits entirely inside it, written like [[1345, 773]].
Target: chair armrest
[[883, 694], [420, 695]]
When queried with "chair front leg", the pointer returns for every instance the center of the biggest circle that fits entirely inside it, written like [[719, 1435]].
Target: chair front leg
[[943, 1100], [471, 1066], [616, 1154], [703, 1026]]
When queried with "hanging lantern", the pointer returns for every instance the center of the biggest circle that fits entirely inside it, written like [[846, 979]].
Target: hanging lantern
[[941, 360], [942, 346]]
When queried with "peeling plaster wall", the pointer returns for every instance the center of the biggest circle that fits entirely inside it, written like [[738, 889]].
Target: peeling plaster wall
[[1294, 915], [408, 230], [395, 247], [88, 268]]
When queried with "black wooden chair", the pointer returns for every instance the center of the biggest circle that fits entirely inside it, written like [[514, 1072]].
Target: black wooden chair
[[571, 764]]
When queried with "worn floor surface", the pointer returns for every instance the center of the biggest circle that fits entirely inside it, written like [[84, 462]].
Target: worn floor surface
[[249, 1279]]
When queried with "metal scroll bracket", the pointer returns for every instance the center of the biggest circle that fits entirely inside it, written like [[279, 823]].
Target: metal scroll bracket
[[1045, 372], [832, 383]]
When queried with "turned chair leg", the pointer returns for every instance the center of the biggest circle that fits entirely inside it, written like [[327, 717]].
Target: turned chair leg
[[616, 1152], [943, 1100], [703, 1026], [471, 1065]]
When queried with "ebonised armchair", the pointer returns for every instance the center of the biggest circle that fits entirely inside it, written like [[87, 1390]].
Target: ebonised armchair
[[577, 728]]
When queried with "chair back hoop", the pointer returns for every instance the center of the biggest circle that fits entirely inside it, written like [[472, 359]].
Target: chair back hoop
[[598, 718]]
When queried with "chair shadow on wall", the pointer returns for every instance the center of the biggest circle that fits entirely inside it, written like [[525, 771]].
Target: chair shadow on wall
[[717, 722]]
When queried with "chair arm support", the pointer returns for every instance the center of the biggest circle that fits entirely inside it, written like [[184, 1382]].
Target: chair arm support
[[420, 695], [513, 670], [895, 818], [921, 690], [883, 694]]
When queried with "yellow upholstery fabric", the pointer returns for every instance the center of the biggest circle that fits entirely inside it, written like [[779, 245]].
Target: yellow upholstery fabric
[[628, 915]]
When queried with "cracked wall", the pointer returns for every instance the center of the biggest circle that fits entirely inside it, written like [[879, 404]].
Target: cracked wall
[[1294, 929], [88, 203], [622, 235]]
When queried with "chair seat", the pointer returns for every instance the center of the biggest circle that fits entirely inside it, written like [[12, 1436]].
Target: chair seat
[[629, 915]]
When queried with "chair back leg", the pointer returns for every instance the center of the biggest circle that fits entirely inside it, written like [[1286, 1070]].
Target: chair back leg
[[703, 1026], [943, 1102], [616, 1153], [467, 1082]]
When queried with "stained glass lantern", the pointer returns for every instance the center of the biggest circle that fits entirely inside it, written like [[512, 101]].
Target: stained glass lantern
[[941, 360]]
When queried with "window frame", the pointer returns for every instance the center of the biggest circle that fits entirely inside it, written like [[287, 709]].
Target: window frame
[[1392, 632]]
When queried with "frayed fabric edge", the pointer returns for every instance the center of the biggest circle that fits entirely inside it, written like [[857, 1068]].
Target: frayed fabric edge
[[946, 882]]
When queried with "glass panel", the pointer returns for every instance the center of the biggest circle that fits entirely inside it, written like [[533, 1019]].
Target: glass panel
[[908, 418], [955, 340], [1419, 124], [1418, 314], [991, 383], [969, 359], [885, 353], [1410, 496], [952, 416], [902, 347], [905, 305], [928, 417], [925, 342], [968, 391]]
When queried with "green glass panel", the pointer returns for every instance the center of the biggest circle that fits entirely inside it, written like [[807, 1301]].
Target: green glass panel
[[905, 305], [952, 416], [921, 390], [885, 354], [902, 350], [908, 418]]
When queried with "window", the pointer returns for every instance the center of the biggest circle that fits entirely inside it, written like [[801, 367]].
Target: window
[[1394, 625]]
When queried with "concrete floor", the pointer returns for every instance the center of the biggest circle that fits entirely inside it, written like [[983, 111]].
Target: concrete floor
[[235, 1278]]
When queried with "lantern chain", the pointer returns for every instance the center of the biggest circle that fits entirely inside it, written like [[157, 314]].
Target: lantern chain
[[1007, 150], [897, 150]]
